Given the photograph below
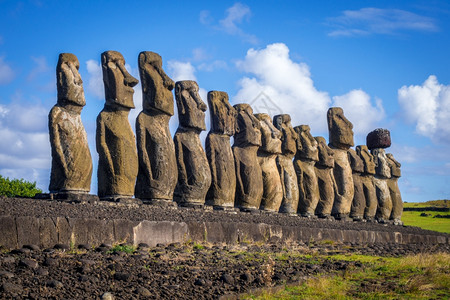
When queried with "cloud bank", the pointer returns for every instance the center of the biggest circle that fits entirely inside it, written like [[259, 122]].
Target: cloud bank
[[6, 72]]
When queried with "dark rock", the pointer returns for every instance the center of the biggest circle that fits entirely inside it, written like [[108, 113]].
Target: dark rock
[[121, 276], [142, 291], [6, 274], [49, 262], [379, 138], [41, 271], [227, 278], [21, 251], [61, 247], [28, 263], [32, 247], [55, 284], [12, 288]]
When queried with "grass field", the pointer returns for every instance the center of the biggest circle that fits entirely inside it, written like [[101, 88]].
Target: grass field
[[413, 218], [423, 276]]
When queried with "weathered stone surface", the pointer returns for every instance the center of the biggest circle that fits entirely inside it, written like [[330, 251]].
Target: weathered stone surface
[[157, 176], [218, 151], [324, 172], [247, 139], [116, 147], [71, 158], [267, 154], [379, 138], [285, 164], [194, 175], [367, 182], [304, 162], [383, 173], [341, 139], [339, 129], [359, 200], [396, 197]]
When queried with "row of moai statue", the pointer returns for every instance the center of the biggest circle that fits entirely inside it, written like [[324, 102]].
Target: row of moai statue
[[272, 166]]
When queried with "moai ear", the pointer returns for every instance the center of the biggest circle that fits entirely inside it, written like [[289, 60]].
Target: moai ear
[[179, 96]]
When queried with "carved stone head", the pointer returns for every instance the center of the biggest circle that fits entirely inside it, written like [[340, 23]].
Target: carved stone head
[[339, 129], [368, 159], [68, 81], [356, 162], [289, 136], [191, 108], [118, 82], [156, 85], [270, 136], [395, 165], [223, 115], [326, 154], [307, 145], [382, 167], [248, 128]]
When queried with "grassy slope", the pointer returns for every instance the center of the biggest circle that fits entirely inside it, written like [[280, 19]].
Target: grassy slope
[[413, 218]]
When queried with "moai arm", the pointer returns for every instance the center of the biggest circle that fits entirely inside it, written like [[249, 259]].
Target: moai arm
[[102, 147], [141, 140], [211, 154], [182, 172], [55, 140]]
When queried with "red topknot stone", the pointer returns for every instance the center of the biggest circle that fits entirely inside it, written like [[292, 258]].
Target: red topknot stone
[[379, 138]]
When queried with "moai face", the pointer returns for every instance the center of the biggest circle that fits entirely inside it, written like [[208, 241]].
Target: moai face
[[270, 136], [191, 108], [156, 85], [118, 82], [326, 158], [289, 136], [394, 164], [368, 159], [68, 81], [307, 145], [356, 163], [382, 167], [340, 129], [248, 127], [223, 115]]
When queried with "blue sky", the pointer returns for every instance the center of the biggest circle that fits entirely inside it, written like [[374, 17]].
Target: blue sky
[[385, 62]]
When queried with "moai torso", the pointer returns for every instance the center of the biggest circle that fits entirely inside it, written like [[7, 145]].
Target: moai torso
[[305, 159], [359, 200], [382, 175], [247, 139], [194, 175], [116, 146], [325, 178], [396, 197], [285, 164], [158, 172], [367, 182], [71, 159], [267, 154], [341, 139], [221, 194]]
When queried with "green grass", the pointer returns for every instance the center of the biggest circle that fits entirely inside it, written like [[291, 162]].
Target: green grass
[[436, 203], [423, 276], [413, 218], [122, 248]]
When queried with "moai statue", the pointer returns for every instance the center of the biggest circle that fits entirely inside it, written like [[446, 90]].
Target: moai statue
[[71, 159], [285, 164], [359, 200], [341, 139], [325, 178], [367, 182], [247, 139], [194, 175], [267, 154], [221, 194], [116, 144], [396, 197], [158, 173], [377, 140], [305, 159]]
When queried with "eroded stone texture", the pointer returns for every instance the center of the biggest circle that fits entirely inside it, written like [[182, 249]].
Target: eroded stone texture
[[116, 146], [379, 138], [396, 197], [341, 139], [222, 191], [267, 154], [247, 139], [158, 172], [285, 164], [194, 175], [304, 162], [380, 179], [359, 200], [367, 182], [324, 171], [71, 159]]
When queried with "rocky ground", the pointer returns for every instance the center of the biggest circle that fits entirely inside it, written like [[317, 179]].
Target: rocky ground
[[176, 271]]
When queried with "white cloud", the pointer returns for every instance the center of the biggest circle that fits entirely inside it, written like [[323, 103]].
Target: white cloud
[[428, 106], [215, 65], [372, 20], [358, 108], [6, 72], [205, 17], [181, 70], [95, 81], [41, 67], [283, 84]]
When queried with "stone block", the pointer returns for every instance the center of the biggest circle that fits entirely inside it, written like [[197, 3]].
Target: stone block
[[27, 231], [8, 232]]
